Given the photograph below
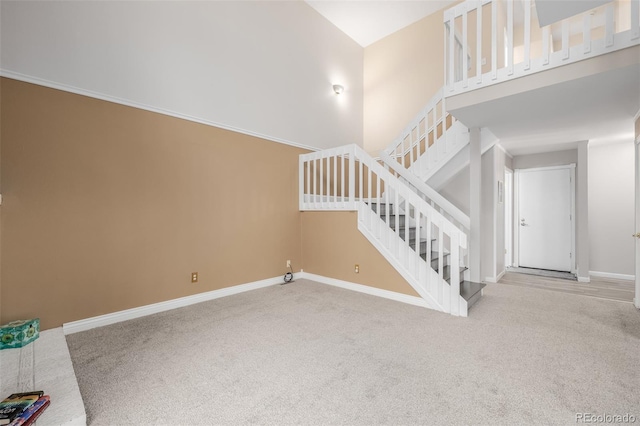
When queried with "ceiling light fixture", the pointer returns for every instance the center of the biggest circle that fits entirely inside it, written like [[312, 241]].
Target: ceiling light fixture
[[338, 88]]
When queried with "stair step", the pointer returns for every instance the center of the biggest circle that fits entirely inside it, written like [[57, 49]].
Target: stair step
[[468, 289], [471, 292], [434, 258], [391, 220], [403, 230], [446, 273], [374, 207]]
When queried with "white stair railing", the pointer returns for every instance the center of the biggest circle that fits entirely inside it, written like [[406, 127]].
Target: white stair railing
[[430, 140], [347, 178], [516, 45]]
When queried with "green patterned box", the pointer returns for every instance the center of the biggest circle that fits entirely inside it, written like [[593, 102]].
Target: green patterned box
[[17, 334]]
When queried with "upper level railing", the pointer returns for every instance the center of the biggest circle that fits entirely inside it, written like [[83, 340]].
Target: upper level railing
[[491, 41]]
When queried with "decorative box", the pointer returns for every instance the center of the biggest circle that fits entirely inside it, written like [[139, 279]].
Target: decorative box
[[20, 333]]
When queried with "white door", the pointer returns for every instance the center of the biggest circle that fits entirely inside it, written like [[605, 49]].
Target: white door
[[545, 219]]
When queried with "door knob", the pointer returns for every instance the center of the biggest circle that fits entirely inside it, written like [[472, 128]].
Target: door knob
[[636, 235]]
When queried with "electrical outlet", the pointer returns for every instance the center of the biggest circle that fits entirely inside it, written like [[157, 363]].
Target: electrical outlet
[[194, 277], [356, 269], [288, 264]]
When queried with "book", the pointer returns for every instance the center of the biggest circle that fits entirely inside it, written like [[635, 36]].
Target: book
[[31, 414], [15, 404]]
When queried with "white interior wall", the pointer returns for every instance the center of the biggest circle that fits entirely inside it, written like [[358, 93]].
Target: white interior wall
[[263, 68], [612, 208]]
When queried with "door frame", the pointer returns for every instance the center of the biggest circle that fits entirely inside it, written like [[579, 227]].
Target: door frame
[[516, 210], [508, 216], [636, 299]]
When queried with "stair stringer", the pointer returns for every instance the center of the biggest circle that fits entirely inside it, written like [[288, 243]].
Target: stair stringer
[[446, 147], [407, 258], [459, 161]]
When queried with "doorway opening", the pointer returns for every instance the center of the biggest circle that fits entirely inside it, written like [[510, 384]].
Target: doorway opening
[[544, 212]]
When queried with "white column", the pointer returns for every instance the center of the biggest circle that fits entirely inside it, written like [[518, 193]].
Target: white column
[[582, 212], [475, 175]]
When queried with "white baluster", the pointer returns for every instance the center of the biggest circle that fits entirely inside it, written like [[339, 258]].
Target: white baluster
[[465, 59], [440, 263], [396, 227], [378, 209], [301, 203], [322, 158], [565, 39], [352, 179], [635, 19], [586, 33], [479, 42], [315, 184], [416, 215], [545, 45], [426, 266], [608, 26], [342, 181], [369, 194], [510, 37], [494, 39], [454, 282], [335, 181], [361, 181], [452, 62]]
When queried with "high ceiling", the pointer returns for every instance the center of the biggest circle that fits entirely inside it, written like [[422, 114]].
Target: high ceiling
[[368, 21]]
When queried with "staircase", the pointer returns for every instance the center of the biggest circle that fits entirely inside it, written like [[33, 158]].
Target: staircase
[[469, 291], [426, 248]]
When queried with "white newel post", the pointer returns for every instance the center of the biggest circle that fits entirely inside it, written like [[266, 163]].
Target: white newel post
[[475, 175]]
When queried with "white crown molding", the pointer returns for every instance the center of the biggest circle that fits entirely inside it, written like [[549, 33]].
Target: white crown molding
[[502, 148], [71, 89], [128, 314], [612, 275], [373, 291]]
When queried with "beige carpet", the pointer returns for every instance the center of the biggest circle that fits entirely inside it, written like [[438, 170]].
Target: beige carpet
[[308, 353]]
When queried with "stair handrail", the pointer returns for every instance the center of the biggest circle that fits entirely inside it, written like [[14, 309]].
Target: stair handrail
[[429, 192], [423, 115]]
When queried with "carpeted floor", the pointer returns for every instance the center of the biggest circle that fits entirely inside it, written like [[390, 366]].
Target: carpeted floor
[[308, 353]]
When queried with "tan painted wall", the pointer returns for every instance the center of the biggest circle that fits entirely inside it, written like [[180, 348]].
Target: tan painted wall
[[108, 207], [401, 73], [332, 245]]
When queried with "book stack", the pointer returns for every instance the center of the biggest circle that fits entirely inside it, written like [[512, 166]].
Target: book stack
[[22, 409]]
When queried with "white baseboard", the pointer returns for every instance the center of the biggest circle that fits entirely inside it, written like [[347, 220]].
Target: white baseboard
[[584, 279], [495, 279], [398, 297], [612, 275], [128, 314]]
